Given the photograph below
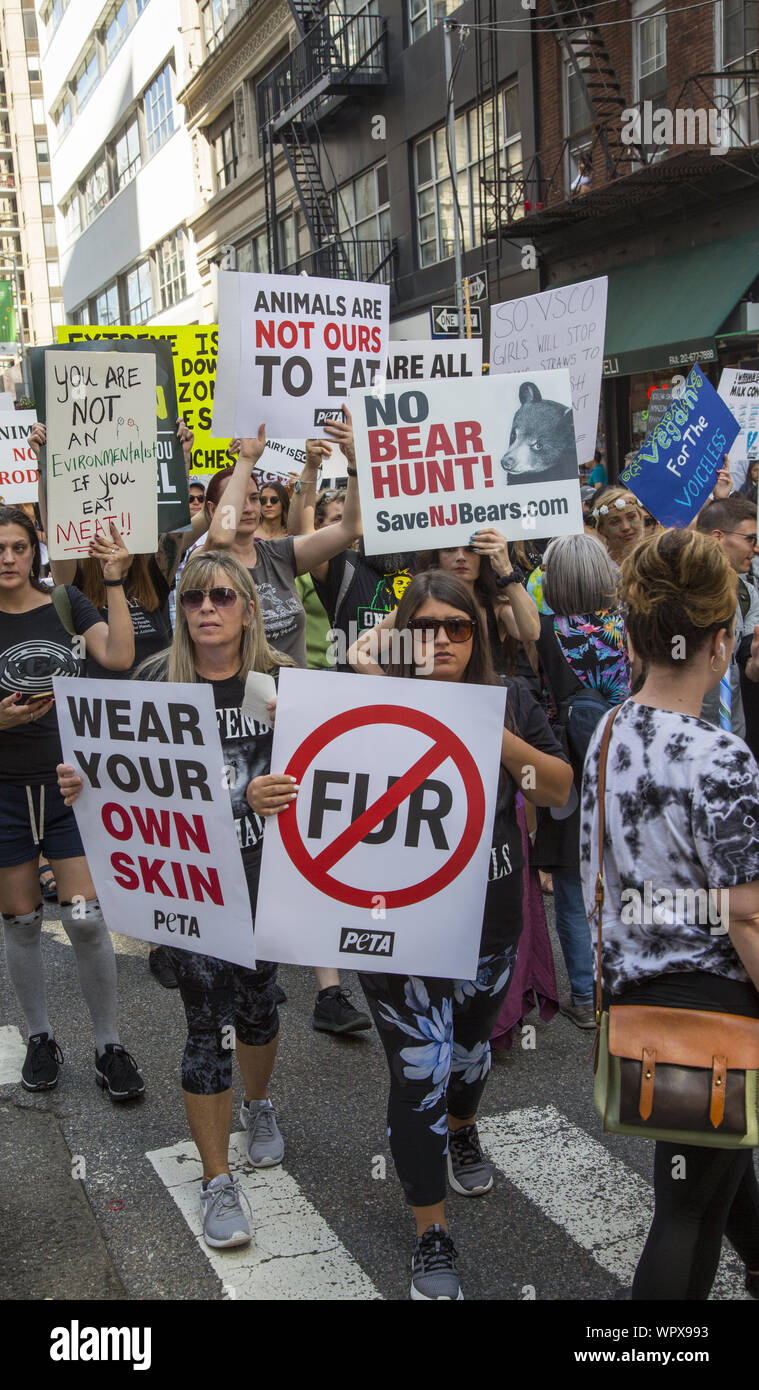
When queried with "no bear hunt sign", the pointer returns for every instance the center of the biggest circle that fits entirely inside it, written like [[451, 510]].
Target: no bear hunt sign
[[439, 459]]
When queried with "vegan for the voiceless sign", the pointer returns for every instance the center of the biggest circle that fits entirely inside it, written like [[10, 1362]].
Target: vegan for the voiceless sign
[[101, 450], [439, 459], [382, 861], [155, 814], [291, 349], [562, 327]]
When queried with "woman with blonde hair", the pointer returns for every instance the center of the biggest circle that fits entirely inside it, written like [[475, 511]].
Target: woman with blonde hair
[[219, 639], [619, 521], [680, 815]]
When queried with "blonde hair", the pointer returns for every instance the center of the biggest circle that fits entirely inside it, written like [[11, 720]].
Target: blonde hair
[[178, 663], [677, 584], [608, 497]]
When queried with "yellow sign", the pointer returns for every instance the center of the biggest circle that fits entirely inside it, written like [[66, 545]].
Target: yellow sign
[[193, 348]]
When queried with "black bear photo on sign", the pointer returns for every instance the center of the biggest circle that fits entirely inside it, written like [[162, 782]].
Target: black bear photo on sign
[[542, 441]]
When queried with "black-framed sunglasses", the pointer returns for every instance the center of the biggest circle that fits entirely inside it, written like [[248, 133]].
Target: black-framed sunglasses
[[220, 595], [751, 538], [268, 501], [456, 629]]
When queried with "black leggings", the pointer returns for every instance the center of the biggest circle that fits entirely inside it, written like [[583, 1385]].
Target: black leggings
[[222, 1002], [700, 1195]]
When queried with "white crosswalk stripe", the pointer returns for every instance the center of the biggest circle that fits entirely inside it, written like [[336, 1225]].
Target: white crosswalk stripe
[[603, 1205], [12, 1054], [293, 1254]]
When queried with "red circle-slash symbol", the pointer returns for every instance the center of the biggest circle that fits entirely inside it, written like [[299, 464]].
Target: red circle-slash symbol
[[444, 745]]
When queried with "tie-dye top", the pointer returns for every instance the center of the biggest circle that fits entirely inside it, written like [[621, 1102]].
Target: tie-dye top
[[594, 645]]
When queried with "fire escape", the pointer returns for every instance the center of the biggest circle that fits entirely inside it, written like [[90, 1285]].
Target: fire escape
[[337, 57], [582, 43]]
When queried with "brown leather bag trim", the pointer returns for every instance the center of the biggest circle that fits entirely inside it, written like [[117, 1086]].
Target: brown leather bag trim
[[719, 1086], [647, 1076], [685, 1037]]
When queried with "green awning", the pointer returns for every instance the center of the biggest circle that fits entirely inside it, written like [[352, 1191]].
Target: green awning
[[665, 313]]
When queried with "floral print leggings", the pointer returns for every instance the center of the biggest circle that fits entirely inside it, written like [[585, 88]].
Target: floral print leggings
[[435, 1034]]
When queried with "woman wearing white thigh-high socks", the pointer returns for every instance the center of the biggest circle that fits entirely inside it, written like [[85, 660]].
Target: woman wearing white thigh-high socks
[[42, 636]]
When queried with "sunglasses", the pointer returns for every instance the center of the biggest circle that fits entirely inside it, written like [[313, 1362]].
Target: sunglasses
[[269, 501], [751, 539], [220, 596], [456, 629]]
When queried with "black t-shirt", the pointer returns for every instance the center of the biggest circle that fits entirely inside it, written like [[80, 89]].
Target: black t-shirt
[[34, 647], [366, 599], [246, 746], [151, 631], [502, 922]]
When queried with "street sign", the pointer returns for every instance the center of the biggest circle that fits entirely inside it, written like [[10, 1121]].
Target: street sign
[[478, 286], [445, 321]]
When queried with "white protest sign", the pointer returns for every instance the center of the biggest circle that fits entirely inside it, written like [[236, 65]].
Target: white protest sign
[[155, 814], [422, 360], [558, 328], [382, 861], [19, 477], [740, 392], [439, 459], [101, 450], [7, 400], [291, 349]]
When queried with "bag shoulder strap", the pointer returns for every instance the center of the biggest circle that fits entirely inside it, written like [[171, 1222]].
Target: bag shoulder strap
[[603, 758], [62, 606]]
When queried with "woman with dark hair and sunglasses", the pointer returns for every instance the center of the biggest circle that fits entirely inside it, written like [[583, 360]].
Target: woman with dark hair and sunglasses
[[436, 1082], [42, 636], [219, 638], [275, 504]]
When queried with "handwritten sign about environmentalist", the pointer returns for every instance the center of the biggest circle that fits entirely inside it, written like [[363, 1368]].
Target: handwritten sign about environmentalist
[[438, 459], [674, 470], [291, 349], [193, 352], [381, 862], [557, 328], [740, 392], [155, 814], [19, 478], [101, 450]]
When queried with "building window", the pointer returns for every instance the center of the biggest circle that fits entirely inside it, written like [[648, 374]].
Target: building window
[[53, 275], [159, 110], [30, 24], [740, 97], [652, 57], [139, 293], [141, 6], [426, 14], [225, 148], [288, 240], [435, 209], [50, 236], [43, 151], [87, 76], [513, 188], [254, 253], [107, 305], [38, 111], [96, 191], [363, 215], [62, 117], [33, 66], [126, 154], [115, 28], [578, 129], [72, 222], [46, 193], [56, 313], [213, 19], [171, 269]]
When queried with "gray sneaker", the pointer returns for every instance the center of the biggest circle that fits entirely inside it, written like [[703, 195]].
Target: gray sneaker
[[224, 1221], [469, 1172], [266, 1147], [433, 1268], [582, 1015]]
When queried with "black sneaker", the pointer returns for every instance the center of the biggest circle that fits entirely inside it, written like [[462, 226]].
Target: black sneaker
[[469, 1171], [160, 965], [41, 1064], [117, 1073], [334, 1013], [433, 1268]]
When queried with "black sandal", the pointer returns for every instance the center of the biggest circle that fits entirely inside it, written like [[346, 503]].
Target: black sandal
[[48, 885]]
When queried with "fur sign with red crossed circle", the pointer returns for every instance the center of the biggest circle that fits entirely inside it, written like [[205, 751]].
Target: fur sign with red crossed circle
[[445, 744]]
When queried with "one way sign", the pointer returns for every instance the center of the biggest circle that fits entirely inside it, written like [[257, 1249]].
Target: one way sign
[[445, 321], [478, 286]]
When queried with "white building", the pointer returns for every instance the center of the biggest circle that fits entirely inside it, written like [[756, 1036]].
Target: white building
[[121, 160]]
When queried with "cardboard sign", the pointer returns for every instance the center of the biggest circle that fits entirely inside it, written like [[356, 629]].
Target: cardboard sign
[[437, 460], [382, 861], [19, 478], [674, 470], [101, 451], [557, 328], [420, 360], [155, 815], [291, 349], [740, 392], [193, 352], [173, 504]]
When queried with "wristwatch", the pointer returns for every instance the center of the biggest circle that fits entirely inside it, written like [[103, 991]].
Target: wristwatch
[[516, 576]]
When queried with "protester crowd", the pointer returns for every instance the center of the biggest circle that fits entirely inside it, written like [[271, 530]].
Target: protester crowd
[[268, 576]]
